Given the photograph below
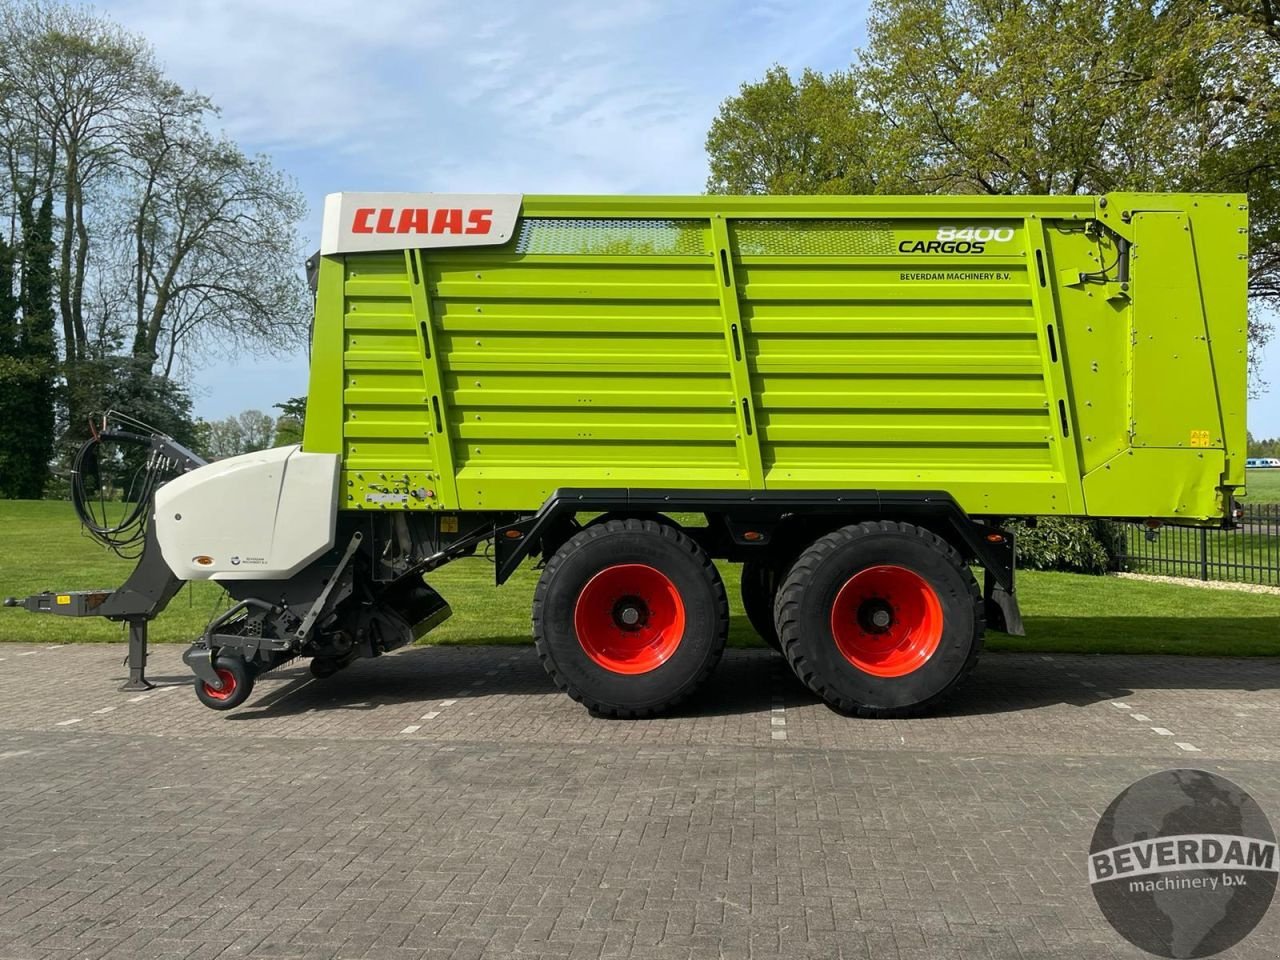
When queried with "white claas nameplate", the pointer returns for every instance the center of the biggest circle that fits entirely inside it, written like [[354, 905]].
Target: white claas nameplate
[[364, 222], [260, 516]]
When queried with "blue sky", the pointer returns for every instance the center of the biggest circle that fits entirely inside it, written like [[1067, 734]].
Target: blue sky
[[561, 96]]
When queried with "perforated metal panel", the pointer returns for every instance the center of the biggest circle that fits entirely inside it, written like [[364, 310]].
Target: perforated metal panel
[[611, 237], [813, 238]]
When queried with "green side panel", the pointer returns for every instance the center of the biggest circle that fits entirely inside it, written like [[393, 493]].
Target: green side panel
[[608, 369], [1174, 401], [322, 430], [1153, 482], [1092, 338], [875, 369], [1184, 322], [386, 427], [980, 345]]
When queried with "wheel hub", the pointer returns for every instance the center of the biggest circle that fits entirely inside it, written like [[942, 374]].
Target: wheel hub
[[228, 685], [630, 613], [875, 615], [887, 621], [629, 618]]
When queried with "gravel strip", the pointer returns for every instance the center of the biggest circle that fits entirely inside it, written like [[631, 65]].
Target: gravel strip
[[1210, 584]]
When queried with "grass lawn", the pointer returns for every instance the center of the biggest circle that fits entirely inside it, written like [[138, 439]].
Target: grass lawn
[[41, 547], [1262, 486]]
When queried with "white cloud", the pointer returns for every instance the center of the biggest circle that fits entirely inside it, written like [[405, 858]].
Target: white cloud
[[614, 96], [287, 72], [569, 96]]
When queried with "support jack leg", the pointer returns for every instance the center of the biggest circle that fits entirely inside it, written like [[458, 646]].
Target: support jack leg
[[137, 658]]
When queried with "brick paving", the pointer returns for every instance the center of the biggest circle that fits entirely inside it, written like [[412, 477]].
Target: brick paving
[[448, 803]]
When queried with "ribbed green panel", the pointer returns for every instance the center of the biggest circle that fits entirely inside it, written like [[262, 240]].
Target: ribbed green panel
[[385, 418], [798, 343], [608, 373], [865, 378]]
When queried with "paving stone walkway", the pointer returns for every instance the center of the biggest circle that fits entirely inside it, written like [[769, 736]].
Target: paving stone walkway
[[449, 803]]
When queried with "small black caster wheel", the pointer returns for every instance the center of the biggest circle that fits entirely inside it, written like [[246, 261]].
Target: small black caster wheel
[[237, 683], [322, 668]]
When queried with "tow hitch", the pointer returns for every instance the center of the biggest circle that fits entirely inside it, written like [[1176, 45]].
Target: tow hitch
[[152, 584]]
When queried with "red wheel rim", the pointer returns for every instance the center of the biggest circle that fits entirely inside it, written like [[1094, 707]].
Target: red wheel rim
[[887, 621], [228, 685], [629, 618]]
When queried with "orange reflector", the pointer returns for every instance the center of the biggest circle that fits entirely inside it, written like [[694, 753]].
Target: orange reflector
[[995, 537], [513, 534], [203, 560], [753, 535]]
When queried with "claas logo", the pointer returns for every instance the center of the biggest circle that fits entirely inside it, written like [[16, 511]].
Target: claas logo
[[421, 220]]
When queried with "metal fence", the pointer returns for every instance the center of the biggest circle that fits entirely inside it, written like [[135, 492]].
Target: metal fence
[[1248, 554]]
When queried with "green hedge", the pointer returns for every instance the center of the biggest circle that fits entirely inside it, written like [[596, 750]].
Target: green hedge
[[1063, 543]]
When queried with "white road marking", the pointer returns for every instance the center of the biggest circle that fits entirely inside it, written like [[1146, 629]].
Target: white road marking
[[412, 728], [139, 699], [56, 646], [778, 718], [1162, 731], [1189, 747], [430, 716], [29, 653], [1042, 657], [447, 703], [1141, 717], [67, 723], [13, 753], [104, 710], [1121, 706]]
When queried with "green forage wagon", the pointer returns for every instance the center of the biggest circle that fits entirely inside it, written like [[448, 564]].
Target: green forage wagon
[[849, 394]]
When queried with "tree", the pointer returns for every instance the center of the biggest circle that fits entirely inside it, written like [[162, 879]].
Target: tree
[[779, 136], [212, 248], [74, 79], [290, 423], [1034, 96], [168, 242], [10, 366], [188, 238], [232, 436], [8, 301], [127, 385], [28, 357]]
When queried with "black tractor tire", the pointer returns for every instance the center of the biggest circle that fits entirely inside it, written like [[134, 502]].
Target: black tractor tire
[[896, 642], [612, 515], [237, 677], [630, 617], [759, 589]]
